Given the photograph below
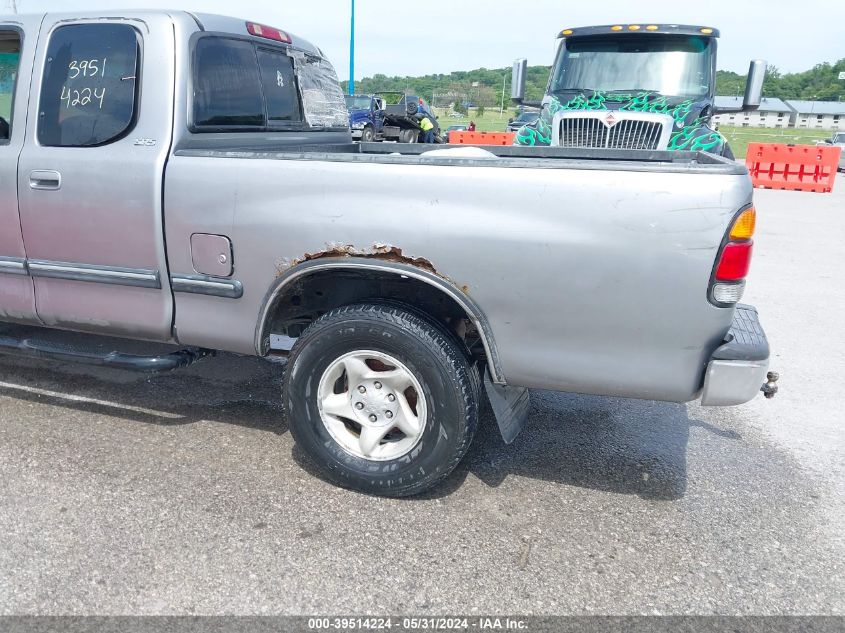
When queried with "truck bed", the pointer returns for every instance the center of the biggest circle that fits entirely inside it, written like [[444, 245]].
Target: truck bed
[[590, 266], [503, 156]]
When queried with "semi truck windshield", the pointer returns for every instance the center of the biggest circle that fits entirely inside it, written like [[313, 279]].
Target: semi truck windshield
[[668, 65]]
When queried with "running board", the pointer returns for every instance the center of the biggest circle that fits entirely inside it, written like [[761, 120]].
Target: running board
[[34, 348]]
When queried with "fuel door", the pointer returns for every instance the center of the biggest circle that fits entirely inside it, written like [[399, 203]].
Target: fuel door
[[212, 254]]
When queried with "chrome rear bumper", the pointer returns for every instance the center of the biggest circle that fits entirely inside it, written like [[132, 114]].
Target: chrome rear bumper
[[738, 369]]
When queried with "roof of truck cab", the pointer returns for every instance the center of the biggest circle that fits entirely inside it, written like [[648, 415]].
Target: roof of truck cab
[[206, 21], [228, 24], [641, 28]]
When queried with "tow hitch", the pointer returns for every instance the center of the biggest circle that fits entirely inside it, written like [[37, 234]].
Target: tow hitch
[[771, 387]]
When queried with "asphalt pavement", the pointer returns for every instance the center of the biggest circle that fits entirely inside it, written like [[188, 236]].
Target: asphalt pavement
[[185, 494]]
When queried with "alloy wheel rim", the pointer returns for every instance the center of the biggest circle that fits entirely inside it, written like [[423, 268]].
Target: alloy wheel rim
[[372, 405]]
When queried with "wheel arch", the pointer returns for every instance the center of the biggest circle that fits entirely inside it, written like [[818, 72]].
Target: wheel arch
[[359, 276]]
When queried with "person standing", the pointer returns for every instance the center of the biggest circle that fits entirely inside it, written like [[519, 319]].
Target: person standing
[[471, 127], [428, 129]]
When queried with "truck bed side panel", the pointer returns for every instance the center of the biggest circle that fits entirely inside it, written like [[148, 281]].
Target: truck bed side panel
[[593, 280]]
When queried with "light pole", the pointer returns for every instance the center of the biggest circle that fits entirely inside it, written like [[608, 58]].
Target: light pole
[[352, 51]]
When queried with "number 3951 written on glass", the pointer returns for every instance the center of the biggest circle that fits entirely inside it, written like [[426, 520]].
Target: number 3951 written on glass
[[87, 68], [82, 97]]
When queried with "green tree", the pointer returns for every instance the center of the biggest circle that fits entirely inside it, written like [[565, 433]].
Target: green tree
[[820, 82]]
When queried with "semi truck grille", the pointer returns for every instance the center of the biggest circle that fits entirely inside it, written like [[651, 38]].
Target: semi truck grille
[[625, 134]]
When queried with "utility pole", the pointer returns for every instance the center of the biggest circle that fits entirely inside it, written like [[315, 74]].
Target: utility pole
[[352, 51]]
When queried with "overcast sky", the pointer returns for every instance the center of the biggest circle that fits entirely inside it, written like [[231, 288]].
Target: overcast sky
[[400, 37]]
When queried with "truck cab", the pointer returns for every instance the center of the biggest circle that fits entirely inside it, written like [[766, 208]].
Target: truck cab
[[643, 87], [366, 117]]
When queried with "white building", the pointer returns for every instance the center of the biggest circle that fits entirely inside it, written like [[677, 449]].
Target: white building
[[822, 115], [773, 113]]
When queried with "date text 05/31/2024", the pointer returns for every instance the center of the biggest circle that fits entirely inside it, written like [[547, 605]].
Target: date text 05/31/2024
[[418, 624]]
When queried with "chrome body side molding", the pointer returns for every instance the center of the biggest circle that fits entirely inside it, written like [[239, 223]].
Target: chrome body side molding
[[204, 285], [13, 266], [98, 274]]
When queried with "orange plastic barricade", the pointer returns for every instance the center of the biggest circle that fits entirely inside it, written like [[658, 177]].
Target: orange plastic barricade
[[795, 167], [481, 138]]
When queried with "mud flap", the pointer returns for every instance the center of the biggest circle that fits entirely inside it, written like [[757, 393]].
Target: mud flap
[[510, 406]]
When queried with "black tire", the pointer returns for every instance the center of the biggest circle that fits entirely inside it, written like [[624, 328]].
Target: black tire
[[449, 381], [411, 108], [408, 135], [368, 135]]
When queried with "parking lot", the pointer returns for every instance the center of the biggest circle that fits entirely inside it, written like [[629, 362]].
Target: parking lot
[[184, 494]]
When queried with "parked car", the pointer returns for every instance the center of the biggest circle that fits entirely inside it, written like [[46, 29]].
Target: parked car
[[207, 195], [837, 139], [525, 118], [453, 128]]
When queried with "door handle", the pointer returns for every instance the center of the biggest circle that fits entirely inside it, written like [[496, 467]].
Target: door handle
[[45, 179]]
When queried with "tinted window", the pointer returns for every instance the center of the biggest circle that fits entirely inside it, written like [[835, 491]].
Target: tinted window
[[279, 85], [9, 58], [227, 87], [89, 90]]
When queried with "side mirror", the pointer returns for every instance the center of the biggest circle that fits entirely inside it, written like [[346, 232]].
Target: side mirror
[[520, 70], [754, 85]]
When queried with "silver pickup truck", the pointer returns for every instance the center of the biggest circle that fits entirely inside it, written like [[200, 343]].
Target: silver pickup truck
[[190, 180]]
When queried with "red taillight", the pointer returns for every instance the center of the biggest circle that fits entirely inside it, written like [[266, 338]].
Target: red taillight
[[267, 32], [735, 261]]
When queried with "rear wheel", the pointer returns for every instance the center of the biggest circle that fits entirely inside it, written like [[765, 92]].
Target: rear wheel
[[408, 136], [381, 399]]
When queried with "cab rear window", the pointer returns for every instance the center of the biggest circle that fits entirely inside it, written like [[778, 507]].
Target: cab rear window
[[227, 88], [279, 85], [243, 86], [89, 91], [239, 86]]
